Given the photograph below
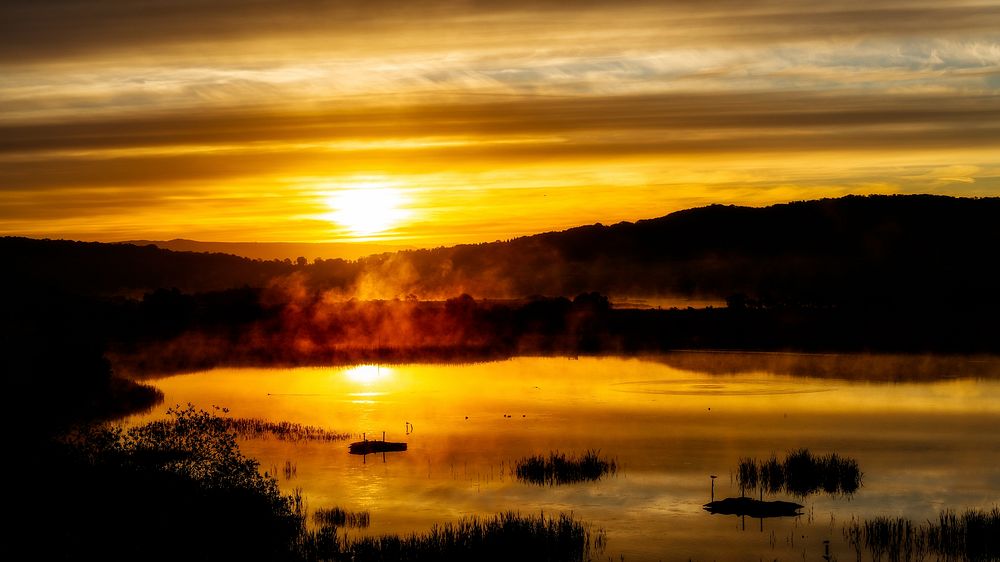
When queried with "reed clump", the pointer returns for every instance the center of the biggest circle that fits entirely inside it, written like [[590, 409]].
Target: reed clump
[[337, 517], [746, 474], [289, 470], [971, 535], [502, 537], [256, 428], [559, 468], [801, 473]]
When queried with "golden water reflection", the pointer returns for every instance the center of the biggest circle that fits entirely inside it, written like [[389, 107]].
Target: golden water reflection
[[922, 445]]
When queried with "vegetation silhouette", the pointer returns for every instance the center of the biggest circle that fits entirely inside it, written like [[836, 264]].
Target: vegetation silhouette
[[311, 330], [973, 534], [181, 489], [167, 490], [53, 356], [801, 474], [256, 428], [558, 468], [500, 538], [336, 517]]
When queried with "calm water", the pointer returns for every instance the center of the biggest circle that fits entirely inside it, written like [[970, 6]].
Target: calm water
[[923, 446]]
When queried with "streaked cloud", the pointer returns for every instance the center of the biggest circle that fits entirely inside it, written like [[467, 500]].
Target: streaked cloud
[[225, 119]]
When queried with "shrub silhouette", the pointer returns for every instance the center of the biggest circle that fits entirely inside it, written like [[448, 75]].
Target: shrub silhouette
[[178, 488]]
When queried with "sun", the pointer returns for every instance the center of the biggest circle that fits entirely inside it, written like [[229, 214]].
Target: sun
[[366, 374], [368, 208]]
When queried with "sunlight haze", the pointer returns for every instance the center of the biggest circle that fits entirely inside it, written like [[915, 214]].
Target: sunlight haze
[[225, 121]]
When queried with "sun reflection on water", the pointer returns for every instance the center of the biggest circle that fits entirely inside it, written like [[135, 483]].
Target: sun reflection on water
[[922, 445]]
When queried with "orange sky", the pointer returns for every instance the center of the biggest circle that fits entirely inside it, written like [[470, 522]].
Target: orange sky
[[425, 123]]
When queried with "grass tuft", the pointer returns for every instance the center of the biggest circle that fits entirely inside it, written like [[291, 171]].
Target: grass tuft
[[502, 537], [972, 535], [800, 474], [336, 517], [558, 468], [256, 428]]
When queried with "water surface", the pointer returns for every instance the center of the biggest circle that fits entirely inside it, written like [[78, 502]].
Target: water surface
[[923, 445]]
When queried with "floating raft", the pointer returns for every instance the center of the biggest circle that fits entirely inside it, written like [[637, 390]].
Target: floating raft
[[369, 447], [753, 508]]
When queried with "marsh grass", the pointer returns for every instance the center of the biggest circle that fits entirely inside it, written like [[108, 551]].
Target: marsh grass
[[801, 474], [558, 468], [336, 517], [972, 535], [746, 474], [289, 470], [256, 428], [180, 489], [502, 537]]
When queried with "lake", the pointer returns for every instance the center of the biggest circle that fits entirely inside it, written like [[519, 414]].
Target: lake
[[923, 430]]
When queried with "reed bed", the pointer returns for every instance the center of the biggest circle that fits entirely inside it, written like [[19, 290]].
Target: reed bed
[[801, 473], [337, 517], [256, 428], [558, 468], [502, 537], [972, 535], [214, 503]]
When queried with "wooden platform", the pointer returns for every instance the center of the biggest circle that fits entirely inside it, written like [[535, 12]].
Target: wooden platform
[[753, 508], [369, 447]]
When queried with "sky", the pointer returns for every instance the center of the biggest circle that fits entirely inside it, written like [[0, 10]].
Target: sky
[[433, 123]]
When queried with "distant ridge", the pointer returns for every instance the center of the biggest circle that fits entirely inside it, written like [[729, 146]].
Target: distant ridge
[[872, 249], [276, 250], [866, 250]]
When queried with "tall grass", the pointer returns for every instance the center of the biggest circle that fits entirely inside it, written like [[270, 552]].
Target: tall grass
[[502, 537], [771, 475], [801, 473], [972, 535], [558, 468], [746, 474], [256, 428], [336, 517], [289, 470]]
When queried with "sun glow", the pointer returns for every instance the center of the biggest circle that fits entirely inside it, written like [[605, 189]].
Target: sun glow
[[368, 208], [366, 374]]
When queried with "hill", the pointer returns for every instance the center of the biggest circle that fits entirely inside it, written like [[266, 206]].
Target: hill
[[825, 252], [94, 268], [873, 249], [275, 250]]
